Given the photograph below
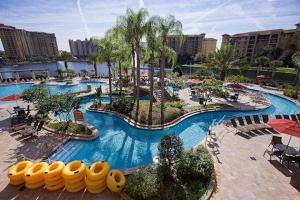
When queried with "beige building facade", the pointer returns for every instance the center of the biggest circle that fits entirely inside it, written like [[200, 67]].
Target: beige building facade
[[80, 48], [192, 44], [248, 45], [22, 44]]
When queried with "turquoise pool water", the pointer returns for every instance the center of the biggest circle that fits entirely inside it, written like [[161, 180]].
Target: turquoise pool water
[[7, 90], [124, 146]]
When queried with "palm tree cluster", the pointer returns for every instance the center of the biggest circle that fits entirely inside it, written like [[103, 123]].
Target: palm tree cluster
[[122, 45]]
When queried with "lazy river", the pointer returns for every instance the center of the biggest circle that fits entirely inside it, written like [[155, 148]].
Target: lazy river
[[125, 146]]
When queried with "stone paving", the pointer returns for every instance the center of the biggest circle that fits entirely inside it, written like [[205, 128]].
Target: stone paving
[[245, 173]]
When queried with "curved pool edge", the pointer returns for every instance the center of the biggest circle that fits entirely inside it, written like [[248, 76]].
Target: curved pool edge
[[176, 121]]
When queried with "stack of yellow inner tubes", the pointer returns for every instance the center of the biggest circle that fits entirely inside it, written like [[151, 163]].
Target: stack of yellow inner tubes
[[96, 177], [16, 172], [34, 176], [74, 175], [53, 176], [115, 181]]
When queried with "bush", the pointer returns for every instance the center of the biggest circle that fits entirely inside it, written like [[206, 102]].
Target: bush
[[290, 92], [237, 79], [174, 104], [122, 105], [143, 184], [170, 150], [70, 127], [196, 164]]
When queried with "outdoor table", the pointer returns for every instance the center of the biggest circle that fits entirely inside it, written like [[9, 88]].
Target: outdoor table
[[288, 150]]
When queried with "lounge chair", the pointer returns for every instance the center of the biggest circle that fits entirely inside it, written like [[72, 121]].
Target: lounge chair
[[278, 116], [260, 124], [265, 118], [275, 141], [286, 117], [277, 153], [294, 117], [287, 158], [250, 125], [237, 127]]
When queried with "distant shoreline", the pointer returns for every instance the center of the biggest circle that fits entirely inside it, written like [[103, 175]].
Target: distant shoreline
[[36, 62]]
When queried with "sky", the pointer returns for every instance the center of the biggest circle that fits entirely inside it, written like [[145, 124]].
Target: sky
[[80, 19]]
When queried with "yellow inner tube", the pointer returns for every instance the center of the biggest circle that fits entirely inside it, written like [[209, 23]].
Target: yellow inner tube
[[96, 191], [73, 170], [54, 178], [94, 184], [18, 182], [54, 182], [54, 169], [75, 188], [75, 180], [115, 181], [17, 171], [35, 185], [55, 186], [36, 172], [98, 170]]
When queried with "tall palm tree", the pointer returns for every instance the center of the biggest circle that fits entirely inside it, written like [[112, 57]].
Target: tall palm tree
[[106, 48], [133, 27], [66, 57], [296, 61], [274, 64], [94, 59], [166, 26], [224, 59]]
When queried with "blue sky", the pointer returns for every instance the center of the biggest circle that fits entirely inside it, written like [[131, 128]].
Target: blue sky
[[77, 19]]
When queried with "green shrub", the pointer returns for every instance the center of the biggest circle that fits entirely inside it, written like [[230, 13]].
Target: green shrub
[[68, 82], [237, 79], [290, 92], [174, 104], [122, 105], [143, 184], [196, 164]]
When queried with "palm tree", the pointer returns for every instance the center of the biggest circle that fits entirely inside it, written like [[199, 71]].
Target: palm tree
[[94, 59], [296, 61], [106, 48], [66, 57], [166, 26], [133, 27], [224, 59], [274, 64], [262, 61]]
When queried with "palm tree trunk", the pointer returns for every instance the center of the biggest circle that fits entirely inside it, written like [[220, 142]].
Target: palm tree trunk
[[137, 81], [109, 81], [133, 73], [66, 65], [298, 82], [120, 78], [162, 81], [151, 90], [95, 68]]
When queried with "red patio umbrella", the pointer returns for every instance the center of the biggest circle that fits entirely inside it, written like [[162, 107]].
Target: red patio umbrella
[[285, 126], [194, 81], [237, 86], [13, 97]]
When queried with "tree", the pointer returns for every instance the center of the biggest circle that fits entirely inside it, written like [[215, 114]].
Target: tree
[[296, 61], [106, 48], [224, 59], [84, 72], [170, 150], [237, 79], [166, 26], [60, 73], [35, 94], [262, 61], [94, 59], [175, 80], [66, 57], [275, 64], [210, 88], [287, 54], [64, 104]]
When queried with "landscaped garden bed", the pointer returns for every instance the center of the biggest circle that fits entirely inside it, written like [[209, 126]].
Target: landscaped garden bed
[[179, 175], [70, 128]]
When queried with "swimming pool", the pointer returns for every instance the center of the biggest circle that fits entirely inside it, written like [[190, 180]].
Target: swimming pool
[[7, 90], [125, 146]]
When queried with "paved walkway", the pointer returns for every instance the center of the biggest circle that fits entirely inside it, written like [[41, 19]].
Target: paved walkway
[[245, 173]]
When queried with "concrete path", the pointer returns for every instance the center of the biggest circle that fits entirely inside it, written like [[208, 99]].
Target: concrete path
[[245, 173]]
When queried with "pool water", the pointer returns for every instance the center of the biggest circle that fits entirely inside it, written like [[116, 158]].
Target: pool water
[[125, 146], [7, 90]]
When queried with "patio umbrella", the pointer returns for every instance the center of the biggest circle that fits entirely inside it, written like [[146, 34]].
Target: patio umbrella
[[194, 81], [285, 126], [236, 86], [13, 97]]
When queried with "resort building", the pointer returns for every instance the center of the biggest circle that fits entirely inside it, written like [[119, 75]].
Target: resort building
[[80, 49], [22, 44], [248, 45], [192, 44]]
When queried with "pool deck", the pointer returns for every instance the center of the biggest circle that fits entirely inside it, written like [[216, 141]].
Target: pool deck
[[245, 173]]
